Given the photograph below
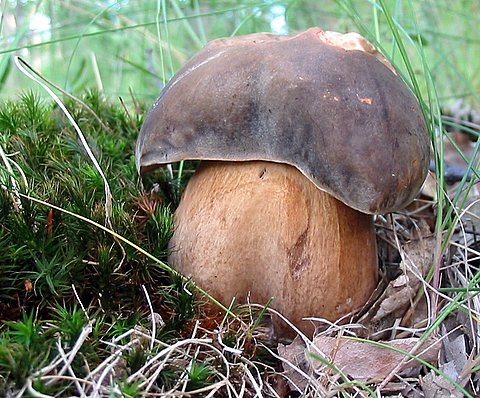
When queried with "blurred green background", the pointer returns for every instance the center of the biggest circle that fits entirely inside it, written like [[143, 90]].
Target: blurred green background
[[124, 47]]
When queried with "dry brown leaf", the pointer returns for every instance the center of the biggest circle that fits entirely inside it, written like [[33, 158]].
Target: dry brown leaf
[[360, 360], [429, 188], [363, 360], [400, 293], [435, 386], [456, 354], [294, 354], [453, 362]]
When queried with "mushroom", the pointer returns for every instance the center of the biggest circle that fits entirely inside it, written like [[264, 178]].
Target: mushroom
[[302, 138]]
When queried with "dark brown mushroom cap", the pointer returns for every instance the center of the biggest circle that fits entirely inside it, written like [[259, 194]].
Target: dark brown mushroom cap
[[341, 116]]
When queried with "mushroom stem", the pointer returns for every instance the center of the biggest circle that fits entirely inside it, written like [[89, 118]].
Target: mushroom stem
[[264, 229]]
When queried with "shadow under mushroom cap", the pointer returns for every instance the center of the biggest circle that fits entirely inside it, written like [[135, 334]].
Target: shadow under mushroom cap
[[341, 116]]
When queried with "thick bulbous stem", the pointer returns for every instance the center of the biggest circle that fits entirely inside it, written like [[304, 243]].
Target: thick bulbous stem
[[262, 230]]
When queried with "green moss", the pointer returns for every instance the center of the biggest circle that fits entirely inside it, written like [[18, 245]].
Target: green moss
[[51, 262]]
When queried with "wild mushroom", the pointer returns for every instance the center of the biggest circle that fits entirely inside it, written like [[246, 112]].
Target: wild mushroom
[[301, 139]]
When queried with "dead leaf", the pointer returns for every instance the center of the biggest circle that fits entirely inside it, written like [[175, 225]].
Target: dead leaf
[[363, 360], [455, 352], [453, 362], [436, 386], [360, 360], [429, 188], [294, 354], [398, 297], [28, 285]]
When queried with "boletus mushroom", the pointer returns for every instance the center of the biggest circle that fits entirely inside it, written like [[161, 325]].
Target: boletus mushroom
[[302, 138]]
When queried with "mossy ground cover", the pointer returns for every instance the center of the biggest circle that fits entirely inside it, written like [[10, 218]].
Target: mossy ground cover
[[60, 273]]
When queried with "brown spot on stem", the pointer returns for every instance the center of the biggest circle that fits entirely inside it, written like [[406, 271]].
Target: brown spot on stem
[[299, 256]]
